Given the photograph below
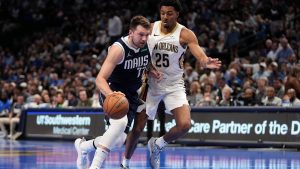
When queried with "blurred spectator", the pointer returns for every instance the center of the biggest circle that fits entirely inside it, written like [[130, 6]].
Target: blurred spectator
[[267, 48], [221, 84], [275, 73], [102, 39], [208, 74], [275, 13], [6, 115], [206, 100], [46, 99], [293, 81], [115, 26], [232, 39], [271, 99], [260, 91], [72, 99], [272, 54], [286, 101], [212, 49], [228, 99], [194, 94], [233, 80], [221, 44], [248, 97], [37, 102], [190, 74], [279, 87], [208, 88], [13, 118], [262, 73], [5, 103], [285, 52], [294, 101], [84, 101], [292, 61], [59, 100]]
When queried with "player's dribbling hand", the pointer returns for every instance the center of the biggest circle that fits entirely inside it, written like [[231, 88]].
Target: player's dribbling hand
[[117, 92]]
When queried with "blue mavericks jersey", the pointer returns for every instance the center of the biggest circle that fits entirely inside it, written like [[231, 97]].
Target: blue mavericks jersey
[[128, 74]]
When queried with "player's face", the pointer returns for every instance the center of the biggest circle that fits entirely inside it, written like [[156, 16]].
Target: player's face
[[139, 36], [168, 16]]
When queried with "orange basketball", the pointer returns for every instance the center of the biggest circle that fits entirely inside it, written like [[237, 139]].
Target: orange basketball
[[115, 106]]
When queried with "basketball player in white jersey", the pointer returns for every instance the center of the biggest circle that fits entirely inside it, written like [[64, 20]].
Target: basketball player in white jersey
[[169, 41]]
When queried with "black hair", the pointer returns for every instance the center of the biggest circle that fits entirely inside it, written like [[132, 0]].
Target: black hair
[[174, 3]]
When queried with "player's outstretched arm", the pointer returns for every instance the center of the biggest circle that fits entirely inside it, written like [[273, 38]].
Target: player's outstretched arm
[[114, 56], [189, 38]]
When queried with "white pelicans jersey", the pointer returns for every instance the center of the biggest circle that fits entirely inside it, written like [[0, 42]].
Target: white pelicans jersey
[[167, 57]]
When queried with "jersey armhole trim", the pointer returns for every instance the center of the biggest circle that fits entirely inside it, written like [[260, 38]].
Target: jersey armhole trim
[[123, 51]]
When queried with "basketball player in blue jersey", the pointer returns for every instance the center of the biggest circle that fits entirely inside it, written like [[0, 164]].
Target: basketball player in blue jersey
[[121, 72], [169, 41]]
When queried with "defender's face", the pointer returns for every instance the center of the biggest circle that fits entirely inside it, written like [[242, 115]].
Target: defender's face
[[168, 16], [139, 36]]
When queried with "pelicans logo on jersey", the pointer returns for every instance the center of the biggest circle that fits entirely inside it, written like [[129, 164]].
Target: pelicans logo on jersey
[[166, 46]]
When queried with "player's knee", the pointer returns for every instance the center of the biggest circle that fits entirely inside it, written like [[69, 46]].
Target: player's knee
[[120, 140], [137, 130], [121, 123], [185, 127]]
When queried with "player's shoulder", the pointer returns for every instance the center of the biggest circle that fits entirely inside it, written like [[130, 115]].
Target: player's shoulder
[[151, 26], [186, 34], [116, 49], [186, 31]]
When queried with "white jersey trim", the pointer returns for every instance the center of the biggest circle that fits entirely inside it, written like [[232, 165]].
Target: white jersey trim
[[123, 51]]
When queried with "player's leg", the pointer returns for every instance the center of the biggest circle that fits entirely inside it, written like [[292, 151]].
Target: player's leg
[[83, 147], [152, 101], [133, 137], [181, 111], [12, 125], [179, 107], [161, 117], [183, 123], [3, 121], [108, 141]]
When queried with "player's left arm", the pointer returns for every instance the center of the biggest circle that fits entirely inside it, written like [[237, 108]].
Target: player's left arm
[[189, 38]]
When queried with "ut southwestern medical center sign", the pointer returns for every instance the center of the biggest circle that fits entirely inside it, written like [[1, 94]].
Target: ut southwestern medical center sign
[[253, 125], [64, 123]]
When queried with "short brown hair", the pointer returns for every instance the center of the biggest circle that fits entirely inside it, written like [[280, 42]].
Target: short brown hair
[[139, 20]]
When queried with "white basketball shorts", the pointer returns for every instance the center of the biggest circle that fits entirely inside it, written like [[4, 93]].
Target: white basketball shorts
[[172, 100]]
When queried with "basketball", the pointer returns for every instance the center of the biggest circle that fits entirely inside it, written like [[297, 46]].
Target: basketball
[[115, 105]]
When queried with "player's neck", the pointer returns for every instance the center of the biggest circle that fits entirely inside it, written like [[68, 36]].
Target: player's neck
[[131, 43], [167, 30]]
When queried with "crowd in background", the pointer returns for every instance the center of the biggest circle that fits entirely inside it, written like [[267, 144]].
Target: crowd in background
[[52, 50]]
